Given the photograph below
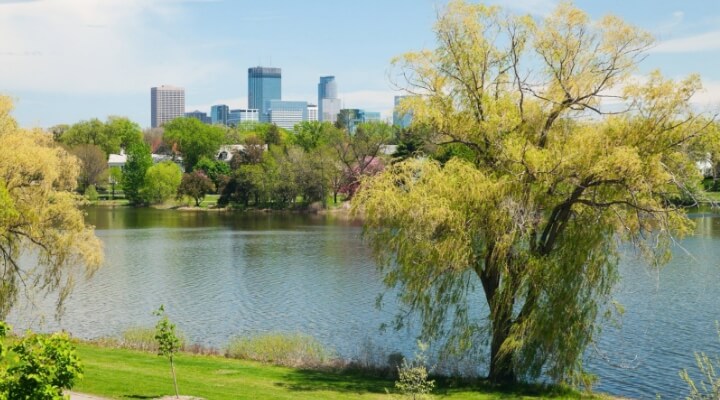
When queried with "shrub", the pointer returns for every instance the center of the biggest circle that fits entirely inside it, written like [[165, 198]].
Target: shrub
[[91, 193], [36, 366], [413, 376], [291, 350]]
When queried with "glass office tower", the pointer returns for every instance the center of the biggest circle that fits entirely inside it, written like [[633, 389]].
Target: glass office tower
[[263, 86]]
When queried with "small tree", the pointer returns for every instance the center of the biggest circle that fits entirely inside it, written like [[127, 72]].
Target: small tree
[[161, 182], [139, 160], [413, 376], [196, 185], [37, 366], [168, 341]]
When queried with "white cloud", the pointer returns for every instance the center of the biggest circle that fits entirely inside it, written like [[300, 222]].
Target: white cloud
[[707, 41], [86, 46], [709, 97]]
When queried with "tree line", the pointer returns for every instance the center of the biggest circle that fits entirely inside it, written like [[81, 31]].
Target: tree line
[[261, 165]]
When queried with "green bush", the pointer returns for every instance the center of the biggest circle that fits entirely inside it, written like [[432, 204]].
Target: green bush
[[36, 366], [291, 350], [413, 376], [91, 193]]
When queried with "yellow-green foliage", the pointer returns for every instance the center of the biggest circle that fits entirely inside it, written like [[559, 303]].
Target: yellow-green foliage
[[285, 349], [555, 184], [40, 212]]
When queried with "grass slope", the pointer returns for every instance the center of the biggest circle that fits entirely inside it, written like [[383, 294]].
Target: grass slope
[[127, 374]]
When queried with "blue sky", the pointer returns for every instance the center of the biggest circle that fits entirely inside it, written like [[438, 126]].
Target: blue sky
[[67, 60]]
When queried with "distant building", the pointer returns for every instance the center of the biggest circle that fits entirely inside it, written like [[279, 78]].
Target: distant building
[[264, 85], [241, 115], [403, 120], [286, 114], [166, 104], [199, 115], [350, 118], [312, 112], [328, 102], [372, 116], [219, 114]]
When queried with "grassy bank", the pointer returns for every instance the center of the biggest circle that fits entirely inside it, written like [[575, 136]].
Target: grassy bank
[[123, 374]]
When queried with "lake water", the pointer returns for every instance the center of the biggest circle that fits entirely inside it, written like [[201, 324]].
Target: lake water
[[222, 275]]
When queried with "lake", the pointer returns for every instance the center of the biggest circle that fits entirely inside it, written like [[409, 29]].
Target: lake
[[225, 274]]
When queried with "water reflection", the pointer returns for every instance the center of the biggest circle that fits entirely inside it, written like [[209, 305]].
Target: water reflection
[[223, 274]]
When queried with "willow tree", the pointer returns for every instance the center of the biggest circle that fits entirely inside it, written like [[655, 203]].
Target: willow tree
[[44, 240], [516, 247]]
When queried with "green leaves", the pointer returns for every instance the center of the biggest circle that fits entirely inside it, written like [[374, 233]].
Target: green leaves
[[37, 366], [531, 195], [168, 341], [193, 139]]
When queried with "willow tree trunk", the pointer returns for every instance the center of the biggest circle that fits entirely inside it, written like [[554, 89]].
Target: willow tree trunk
[[502, 370]]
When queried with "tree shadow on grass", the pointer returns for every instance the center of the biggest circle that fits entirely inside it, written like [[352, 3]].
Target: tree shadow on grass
[[343, 382], [353, 382]]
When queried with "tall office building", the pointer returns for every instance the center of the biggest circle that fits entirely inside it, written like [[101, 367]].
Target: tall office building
[[166, 104], [286, 114], [328, 102], [264, 85], [219, 114]]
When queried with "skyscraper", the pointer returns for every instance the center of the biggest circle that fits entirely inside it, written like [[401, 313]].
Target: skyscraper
[[328, 102], [166, 104], [264, 85], [219, 114]]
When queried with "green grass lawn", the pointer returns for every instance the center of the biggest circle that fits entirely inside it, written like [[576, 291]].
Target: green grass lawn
[[128, 374]]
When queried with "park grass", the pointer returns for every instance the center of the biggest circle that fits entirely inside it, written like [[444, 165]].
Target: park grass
[[130, 374]]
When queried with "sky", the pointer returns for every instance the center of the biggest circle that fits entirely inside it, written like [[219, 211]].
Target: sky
[[63, 61]]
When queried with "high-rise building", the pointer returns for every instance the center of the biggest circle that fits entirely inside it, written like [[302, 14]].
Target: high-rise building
[[240, 115], [264, 85], [166, 104], [199, 115], [328, 102], [286, 114], [312, 112], [401, 119], [219, 114]]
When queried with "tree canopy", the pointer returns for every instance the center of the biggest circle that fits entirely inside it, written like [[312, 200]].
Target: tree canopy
[[193, 139], [39, 214], [551, 184], [161, 182], [110, 136]]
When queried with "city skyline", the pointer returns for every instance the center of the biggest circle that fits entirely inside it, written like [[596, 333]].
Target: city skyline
[[71, 60]]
